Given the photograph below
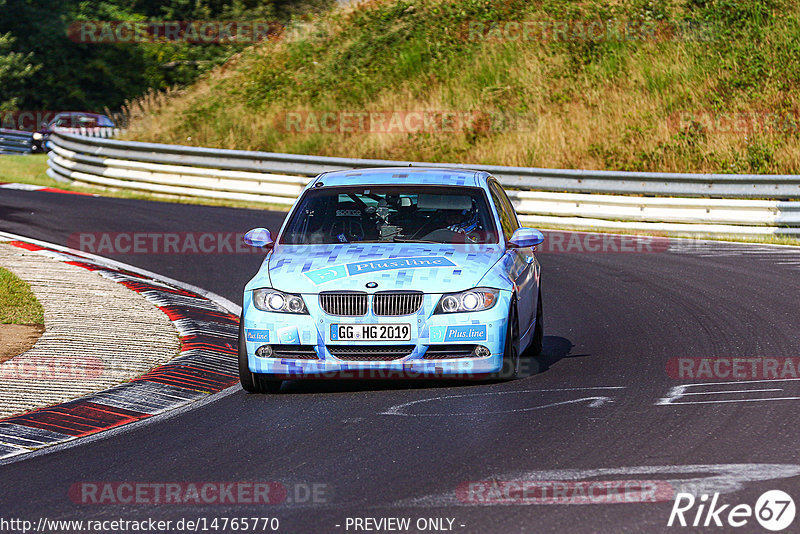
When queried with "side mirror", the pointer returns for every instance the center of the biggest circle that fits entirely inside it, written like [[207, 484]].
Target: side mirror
[[526, 237], [258, 237]]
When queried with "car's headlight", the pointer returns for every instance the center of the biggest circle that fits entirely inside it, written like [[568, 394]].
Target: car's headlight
[[277, 301], [477, 299], [37, 136]]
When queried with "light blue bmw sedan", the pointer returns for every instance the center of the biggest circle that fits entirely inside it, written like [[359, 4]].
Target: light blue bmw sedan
[[393, 273]]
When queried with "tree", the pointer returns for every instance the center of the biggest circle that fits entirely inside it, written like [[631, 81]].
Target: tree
[[72, 75], [16, 69]]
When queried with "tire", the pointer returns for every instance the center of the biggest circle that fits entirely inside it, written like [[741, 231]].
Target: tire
[[510, 368], [253, 382], [267, 385], [538, 332]]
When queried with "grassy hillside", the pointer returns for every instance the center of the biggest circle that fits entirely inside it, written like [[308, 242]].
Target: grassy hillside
[[652, 85]]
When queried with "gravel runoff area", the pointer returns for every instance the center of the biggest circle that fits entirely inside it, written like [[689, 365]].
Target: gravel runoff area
[[98, 333]]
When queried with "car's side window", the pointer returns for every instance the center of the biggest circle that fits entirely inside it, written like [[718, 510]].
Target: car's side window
[[508, 219], [509, 206]]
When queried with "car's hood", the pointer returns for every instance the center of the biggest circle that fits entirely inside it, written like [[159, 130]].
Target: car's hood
[[432, 268]]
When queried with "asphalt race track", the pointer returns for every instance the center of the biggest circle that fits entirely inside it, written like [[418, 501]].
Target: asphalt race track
[[603, 406]]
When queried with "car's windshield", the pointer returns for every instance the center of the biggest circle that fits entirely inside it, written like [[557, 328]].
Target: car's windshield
[[391, 214], [81, 121]]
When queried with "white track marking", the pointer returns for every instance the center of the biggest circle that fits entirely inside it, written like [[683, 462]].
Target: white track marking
[[788, 255], [22, 187], [678, 392], [723, 401], [696, 479], [595, 402], [732, 391]]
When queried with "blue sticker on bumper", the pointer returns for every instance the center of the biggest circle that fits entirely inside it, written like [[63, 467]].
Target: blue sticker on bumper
[[256, 336], [289, 335], [448, 334]]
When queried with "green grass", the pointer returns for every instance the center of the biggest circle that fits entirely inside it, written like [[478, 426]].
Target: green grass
[[17, 303], [25, 170], [602, 104]]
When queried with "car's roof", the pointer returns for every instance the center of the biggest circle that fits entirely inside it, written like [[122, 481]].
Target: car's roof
[[404, 176], [79, 114]]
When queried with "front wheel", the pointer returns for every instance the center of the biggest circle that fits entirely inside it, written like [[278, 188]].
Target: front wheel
[[538, 332], [510, 368], [267, 385], [253, 382]]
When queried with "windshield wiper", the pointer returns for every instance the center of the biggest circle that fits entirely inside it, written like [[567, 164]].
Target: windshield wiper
[[403, 240]]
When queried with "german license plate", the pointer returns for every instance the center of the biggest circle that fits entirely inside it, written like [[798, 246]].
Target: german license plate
[[371, 332]]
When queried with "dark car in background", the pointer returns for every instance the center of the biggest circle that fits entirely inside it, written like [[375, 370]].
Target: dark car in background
[[70, 121]]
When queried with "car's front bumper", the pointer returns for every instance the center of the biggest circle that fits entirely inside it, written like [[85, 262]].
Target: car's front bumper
[[486, 328]]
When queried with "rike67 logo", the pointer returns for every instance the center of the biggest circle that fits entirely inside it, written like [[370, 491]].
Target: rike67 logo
[[774, 510]]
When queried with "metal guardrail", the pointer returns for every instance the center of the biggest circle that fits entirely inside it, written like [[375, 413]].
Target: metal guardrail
[[104, 132], [15, 141], [547, 197]]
